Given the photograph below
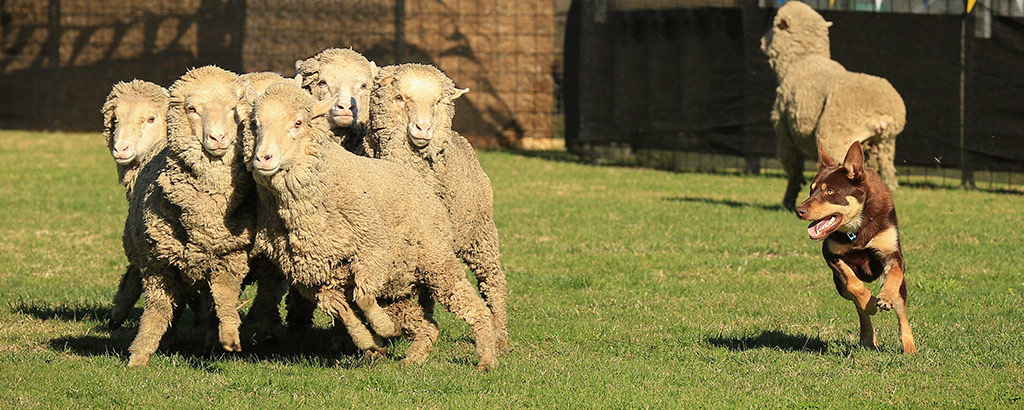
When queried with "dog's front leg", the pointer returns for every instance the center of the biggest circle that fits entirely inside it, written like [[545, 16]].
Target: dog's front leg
[[852, 288]]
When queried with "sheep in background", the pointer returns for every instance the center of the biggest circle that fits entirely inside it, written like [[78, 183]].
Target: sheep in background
[[351, 228], [411, 111], [344, 76], [819, 102], [192, 229]]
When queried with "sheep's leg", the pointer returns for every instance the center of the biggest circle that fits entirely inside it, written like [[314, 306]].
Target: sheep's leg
[[157, 315], [793, 163], [299, 312], [417, 326], [269, 291], [449, 285], [335, 303], [225, 286], [129, 288], [368, 273], [484, 259], [880, 156]]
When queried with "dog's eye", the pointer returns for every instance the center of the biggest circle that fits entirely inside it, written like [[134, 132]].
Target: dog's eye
[[298, 124], [831, 192]]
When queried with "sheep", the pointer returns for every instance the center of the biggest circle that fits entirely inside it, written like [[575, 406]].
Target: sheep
[[134, 127], [192, 228], [411, 111], [354, 228], [344, 76], [819, 102]]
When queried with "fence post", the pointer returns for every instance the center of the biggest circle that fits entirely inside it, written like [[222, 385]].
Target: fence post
[[53, 54], [399, 31], [966, 53]]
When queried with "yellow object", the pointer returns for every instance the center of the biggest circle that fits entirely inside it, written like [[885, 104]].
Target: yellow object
[[831, 3], [970, 5]]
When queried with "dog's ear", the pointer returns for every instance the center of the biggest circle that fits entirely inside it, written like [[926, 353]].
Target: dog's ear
[[854, 161], [824, 160]]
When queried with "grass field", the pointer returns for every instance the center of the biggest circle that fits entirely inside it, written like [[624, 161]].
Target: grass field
[[629, 288]]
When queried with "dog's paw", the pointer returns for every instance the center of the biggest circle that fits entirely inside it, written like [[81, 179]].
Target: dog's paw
[[886, 301]]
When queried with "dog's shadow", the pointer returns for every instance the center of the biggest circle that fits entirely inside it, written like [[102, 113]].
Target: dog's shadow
[[771, 339], [726, 202]]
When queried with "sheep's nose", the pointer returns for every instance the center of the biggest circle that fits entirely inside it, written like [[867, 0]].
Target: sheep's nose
[[423, 126], [801, 211], [120, 147], [266, 157], [217, 137], [344, 104]]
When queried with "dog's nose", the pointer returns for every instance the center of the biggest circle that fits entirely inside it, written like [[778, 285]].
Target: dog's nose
[[801, 211]]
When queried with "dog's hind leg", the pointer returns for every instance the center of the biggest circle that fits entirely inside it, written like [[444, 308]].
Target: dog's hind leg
[[852, 288]]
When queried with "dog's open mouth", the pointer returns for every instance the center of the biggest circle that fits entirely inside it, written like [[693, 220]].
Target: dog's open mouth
[[823, 227]]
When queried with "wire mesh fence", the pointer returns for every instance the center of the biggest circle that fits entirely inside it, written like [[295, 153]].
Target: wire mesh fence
[[61, 56]]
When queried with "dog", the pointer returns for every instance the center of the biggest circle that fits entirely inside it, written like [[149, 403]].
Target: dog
[[852, 211]]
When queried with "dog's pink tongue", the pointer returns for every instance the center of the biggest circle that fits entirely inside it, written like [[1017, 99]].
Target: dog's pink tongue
[[818, 229]]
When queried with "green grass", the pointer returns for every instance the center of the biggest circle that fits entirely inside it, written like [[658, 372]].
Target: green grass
[[629, 287]]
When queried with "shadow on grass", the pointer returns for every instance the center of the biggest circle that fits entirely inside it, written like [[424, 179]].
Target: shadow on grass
[[772, 339], [186, 339], [726, 202], [66, 313], [980, 188]]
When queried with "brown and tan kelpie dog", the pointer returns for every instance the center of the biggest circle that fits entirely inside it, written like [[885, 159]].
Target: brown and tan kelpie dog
[[853, 213]]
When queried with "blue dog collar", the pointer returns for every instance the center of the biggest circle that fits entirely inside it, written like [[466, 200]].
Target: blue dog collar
[[851, 235]]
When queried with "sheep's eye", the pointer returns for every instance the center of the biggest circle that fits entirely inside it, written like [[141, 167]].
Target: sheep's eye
[[831, 192], [363, 86], [298, 123], [191, 109], [323, 83], [151, 119], [114, 120], [399, 97]]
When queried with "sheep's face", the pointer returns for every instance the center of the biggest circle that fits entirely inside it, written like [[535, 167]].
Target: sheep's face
[[418, 96], [796, 30], [282, 133], [138, 123], [348, 85], [213, 118]]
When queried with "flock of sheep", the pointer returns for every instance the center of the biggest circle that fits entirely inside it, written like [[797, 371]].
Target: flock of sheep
[[344, 186]]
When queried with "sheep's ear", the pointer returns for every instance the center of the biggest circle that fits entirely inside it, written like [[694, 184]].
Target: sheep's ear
[[828, 24], [166, 92], [374, 69], [824, 160], [250, 94], [459, 92], [386, 81], [298, 67], [854, 161], [783, 24], [322, 107]]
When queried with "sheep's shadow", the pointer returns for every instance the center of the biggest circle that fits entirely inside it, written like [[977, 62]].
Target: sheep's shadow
[[186, 339], [726, 202], [771, 339]]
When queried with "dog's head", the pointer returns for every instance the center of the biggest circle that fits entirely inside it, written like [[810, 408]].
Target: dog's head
[[837, 195]]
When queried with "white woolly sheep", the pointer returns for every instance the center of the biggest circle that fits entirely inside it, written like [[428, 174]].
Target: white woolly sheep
[[819, 102], [344, 76], [192, 229], [354, 228], [411, 111]]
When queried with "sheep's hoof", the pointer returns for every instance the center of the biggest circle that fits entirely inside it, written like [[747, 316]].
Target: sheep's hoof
[[230, 340], [487, 363], [375, 354], [502, 346], [412, 361], [138, 361]]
